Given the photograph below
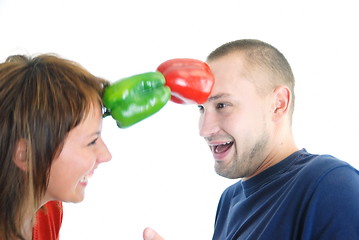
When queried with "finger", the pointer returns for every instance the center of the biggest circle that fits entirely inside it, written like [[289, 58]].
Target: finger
[[150, 234]]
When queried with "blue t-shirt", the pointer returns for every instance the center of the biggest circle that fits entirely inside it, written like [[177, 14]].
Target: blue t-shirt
[[305, 196]]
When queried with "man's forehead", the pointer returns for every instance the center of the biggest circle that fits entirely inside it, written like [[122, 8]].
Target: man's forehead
[[217, 96]]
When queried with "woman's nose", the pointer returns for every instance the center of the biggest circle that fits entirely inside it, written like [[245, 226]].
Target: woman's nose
[[104, 154]]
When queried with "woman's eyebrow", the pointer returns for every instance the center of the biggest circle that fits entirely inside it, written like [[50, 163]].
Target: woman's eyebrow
[[97, 133]]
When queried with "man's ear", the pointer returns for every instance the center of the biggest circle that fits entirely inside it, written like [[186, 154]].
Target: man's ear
[[20, 157], [282, 99]]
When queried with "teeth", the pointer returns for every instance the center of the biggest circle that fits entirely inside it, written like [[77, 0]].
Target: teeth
[[223, 144], [85, 178], [215, 145], [220, 148]]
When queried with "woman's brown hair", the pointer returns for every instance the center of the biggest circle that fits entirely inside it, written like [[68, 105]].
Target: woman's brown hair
[[41, 99]]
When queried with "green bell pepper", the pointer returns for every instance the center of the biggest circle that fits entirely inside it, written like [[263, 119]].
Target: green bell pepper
[[132, 99]]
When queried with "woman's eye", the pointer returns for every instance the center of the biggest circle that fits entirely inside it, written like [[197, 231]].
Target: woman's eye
[[93, 142], [200, 108]]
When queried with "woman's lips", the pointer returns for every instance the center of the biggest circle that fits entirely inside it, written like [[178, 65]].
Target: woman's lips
[[84, 179]]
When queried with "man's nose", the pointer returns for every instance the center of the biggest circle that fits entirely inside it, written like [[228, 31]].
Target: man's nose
[[208, 124]]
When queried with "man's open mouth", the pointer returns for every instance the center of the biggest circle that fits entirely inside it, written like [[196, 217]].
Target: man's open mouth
[[221, 148]]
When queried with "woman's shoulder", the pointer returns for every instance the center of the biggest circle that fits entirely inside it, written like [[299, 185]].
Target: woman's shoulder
[[48, 221]]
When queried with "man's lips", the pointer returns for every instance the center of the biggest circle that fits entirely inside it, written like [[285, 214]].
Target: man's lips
[[220, 148]]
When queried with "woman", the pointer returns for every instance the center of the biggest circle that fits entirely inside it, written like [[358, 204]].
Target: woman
[[50, 142]]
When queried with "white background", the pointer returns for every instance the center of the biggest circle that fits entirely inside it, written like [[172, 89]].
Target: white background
[[161, 174]]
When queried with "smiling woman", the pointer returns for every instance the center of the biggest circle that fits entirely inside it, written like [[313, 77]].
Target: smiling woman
[[50, 144], [82, 151]]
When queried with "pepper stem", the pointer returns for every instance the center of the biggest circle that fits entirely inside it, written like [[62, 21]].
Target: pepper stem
[[106, 113]]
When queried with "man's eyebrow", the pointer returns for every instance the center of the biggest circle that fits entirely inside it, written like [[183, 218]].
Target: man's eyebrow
[[218, 96]]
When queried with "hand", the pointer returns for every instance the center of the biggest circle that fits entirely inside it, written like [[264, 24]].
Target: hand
[[190, 80], [135, 98], [150, 234]]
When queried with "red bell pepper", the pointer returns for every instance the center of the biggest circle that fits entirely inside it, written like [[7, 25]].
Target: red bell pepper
[[190, 80]]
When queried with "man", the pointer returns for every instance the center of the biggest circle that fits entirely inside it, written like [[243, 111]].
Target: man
[[284, 192]]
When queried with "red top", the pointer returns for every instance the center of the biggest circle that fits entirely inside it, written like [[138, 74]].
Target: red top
[[48, 221]]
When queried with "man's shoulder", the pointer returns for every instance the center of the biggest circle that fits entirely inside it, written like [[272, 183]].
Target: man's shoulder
[[318, 164], [326, 172]]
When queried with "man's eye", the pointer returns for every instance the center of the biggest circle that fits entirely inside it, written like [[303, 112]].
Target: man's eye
[[221, 105]]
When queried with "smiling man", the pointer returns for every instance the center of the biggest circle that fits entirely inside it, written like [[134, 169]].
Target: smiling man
[[247, 119], [284, 192]]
